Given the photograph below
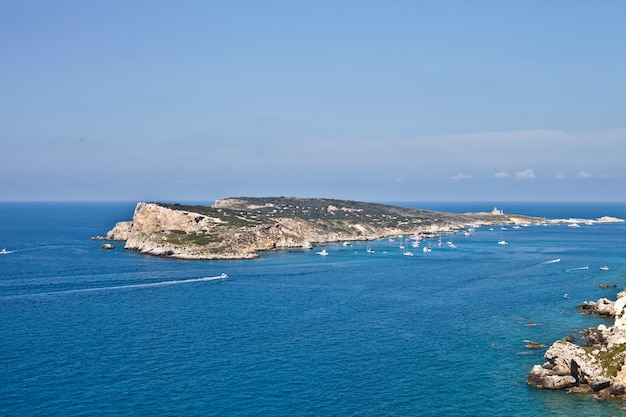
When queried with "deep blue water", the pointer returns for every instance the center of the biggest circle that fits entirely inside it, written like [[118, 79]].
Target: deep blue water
[[91, 332]]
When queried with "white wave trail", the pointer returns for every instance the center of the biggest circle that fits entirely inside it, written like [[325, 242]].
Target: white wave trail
[[577, 269], [552, 261], [123, 287]]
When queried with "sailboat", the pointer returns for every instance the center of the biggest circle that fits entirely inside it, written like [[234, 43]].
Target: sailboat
[[502, 241], [427, 249], [369, 250]]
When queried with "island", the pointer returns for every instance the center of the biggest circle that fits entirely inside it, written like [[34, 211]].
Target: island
[[242, 227]]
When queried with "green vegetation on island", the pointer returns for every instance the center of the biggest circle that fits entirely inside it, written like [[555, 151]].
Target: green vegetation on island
[[236, 228]]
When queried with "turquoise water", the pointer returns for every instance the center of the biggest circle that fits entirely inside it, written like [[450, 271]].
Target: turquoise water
[[90, 332]]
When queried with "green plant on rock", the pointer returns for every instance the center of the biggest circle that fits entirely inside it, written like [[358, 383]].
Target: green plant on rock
[[613, 359]]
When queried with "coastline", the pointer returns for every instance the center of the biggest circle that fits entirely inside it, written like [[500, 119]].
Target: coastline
[[598, 367], [242, 228]]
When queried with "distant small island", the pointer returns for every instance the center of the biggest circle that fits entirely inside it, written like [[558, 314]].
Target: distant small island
[[241, 228]]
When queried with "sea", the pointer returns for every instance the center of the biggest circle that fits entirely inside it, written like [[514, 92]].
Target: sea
[[88, 332]]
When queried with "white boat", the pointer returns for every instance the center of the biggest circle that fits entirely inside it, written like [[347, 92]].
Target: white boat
[[223, 276], [573, 225], [4, 251], [426, 249], [604, 268], [323, 252], [369, 250], [502, 241], [553, 261], [451, 245], [407, 253]]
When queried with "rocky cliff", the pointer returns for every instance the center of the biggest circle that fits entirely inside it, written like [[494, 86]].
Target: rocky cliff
[[239, 228], [599, 366]]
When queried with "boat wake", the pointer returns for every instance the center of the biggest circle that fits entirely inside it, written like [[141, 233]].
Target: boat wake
[[580, 268], [123, 287], [552, 261]]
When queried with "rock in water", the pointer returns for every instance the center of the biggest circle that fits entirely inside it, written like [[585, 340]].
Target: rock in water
[[599, 367]]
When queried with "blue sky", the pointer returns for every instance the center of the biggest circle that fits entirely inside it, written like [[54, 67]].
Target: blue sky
[[368, 100]]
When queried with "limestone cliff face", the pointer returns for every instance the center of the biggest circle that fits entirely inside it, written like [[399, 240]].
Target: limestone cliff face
[[149, 217], [163, 231]]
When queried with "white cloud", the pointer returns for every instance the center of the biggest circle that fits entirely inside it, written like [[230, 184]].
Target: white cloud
[[502, 174], [583, 174], [461, 176], [526, 174], [560, 176]]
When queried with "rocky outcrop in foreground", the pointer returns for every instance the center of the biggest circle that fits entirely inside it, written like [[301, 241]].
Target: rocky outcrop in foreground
[[240, 228], [599, 366]]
